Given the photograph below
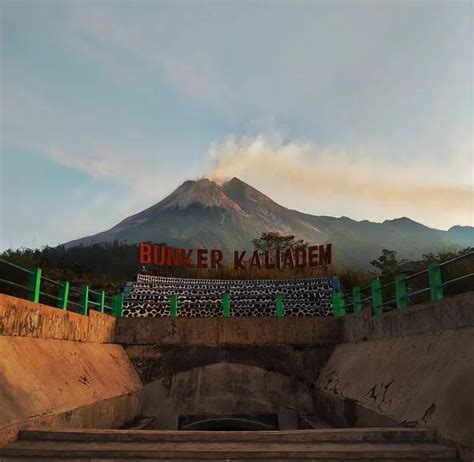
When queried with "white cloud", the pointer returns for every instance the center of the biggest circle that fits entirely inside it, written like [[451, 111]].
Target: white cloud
[[300, 172], [109, 39]]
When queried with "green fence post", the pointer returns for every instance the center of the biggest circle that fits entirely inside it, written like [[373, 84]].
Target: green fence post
[[34, 285], [226, 305], [436, 282], [376, 297], [280, 310], [63, 295], [85, 300], [357, 299], [401, 291], [174, 306], [120, 304], [335, 304], [113, 300], [338, 305], [117, 305], [102, 301]]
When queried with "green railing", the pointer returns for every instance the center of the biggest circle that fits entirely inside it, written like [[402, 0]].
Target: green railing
[[226, 306], [400, 294], [66, 297]]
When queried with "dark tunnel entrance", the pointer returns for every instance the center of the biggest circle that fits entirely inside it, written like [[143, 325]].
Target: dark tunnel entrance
[[229, 423]]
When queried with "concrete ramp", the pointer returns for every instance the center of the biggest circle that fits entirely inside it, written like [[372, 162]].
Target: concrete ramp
[[412, 368], [55, 370]]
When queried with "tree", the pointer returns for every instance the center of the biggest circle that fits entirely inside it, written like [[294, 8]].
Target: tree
[[387, 263], [274, 241]]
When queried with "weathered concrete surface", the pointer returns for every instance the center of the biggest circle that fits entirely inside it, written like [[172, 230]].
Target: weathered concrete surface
[[154, 362], [227, 389], [422, 380], [205, 448], [340, 435], [235, 366], [23, 318], [228, 331], [228, 380], [58, 383], [451, 313]]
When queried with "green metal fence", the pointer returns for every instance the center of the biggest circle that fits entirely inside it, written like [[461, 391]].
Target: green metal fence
[[66, 297], [226, 306], [400, 296]]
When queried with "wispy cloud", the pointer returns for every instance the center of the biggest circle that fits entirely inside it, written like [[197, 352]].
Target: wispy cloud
[[358, 174], [109, 39]]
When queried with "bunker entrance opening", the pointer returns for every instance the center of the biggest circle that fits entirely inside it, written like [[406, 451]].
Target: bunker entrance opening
[[260, 422]]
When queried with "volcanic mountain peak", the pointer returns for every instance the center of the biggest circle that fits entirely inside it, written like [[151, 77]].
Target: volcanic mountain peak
[[203, 191], [204, 214], [249, 198]]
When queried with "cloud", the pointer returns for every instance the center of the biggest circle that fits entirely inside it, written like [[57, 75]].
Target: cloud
[[72, 133], [108, 37], [359, 174]]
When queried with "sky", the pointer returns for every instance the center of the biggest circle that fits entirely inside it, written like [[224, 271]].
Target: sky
[[342, 108]]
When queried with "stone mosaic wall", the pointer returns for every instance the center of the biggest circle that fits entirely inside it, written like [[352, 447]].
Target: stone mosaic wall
[[149, 296]]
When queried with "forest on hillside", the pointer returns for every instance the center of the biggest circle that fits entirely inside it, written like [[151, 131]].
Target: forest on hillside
[[108, 266]]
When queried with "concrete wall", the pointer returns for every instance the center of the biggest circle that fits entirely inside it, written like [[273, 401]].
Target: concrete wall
[[228, 331], [227, 389], [225, 366], [77, 382], [451, 313], [23, 318], [409, 368], [154, 362], [413, 368]]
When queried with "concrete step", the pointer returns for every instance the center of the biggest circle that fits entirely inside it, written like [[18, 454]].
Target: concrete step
[[341, 435], [141, 424], [226, 451]]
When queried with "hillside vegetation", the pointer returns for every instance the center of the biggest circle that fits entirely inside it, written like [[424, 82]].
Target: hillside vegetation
[[109, 266], [228, 216]]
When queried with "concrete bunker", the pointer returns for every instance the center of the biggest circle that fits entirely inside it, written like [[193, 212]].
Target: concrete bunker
[[226, 396]]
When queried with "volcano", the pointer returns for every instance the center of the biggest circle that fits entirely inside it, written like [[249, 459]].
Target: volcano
[[204, 214]]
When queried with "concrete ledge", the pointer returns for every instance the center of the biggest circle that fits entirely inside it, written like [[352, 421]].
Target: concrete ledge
[[451, 313], [23, 318], [106, 413], [421, 380], [307, 331], [345, 412], [48, 382]]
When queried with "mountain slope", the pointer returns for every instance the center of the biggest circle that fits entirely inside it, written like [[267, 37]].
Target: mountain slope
[[204, 214]]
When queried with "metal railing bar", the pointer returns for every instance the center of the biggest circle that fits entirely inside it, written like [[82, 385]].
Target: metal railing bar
[[460, 257], [53, 282], [411, 276], [2, 260], [457, 279], [50, 295], [14, 284], [418, 292], [387, 285]]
